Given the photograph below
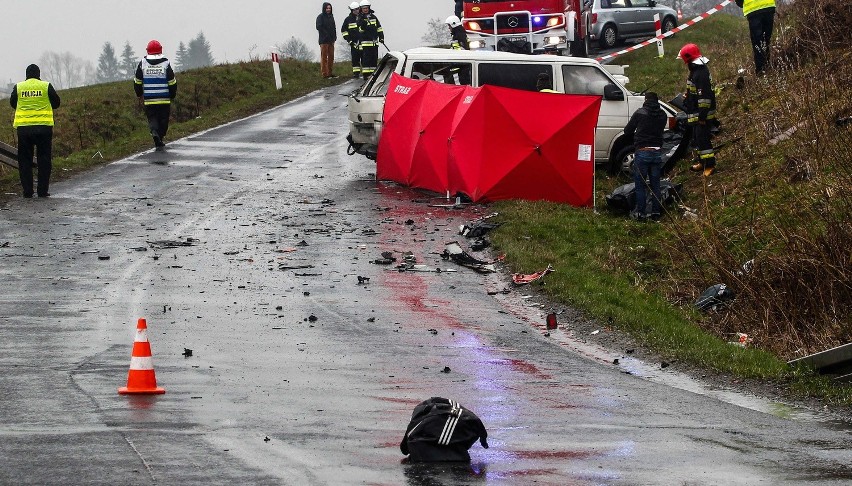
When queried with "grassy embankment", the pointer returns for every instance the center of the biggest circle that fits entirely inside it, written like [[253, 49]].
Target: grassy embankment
[[106, 118], [785, 205]]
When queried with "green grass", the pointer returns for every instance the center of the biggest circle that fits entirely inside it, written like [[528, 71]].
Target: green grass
[[106, 118], [643, 278]]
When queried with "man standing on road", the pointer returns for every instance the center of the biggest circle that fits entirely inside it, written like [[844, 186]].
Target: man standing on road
[[761, 18], [34, 101], [646, 128], [156, 86], [700, 105], [371, 34], [349, 29], [327, 37]]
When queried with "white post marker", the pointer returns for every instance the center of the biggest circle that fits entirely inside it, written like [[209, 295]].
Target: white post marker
[[276, 69], [658, 26]]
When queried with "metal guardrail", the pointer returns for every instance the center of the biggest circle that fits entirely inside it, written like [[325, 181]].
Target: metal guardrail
[[836, 361], [8, 155]]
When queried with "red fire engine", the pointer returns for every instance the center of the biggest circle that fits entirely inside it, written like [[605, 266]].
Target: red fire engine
[[526, 26]]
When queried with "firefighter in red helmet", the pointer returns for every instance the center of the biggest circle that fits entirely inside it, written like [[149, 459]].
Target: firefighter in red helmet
[[700, 106], [156, 86]]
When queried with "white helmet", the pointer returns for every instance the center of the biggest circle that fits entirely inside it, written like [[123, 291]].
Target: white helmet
[[364, 3], [354, 6], [453, 21]]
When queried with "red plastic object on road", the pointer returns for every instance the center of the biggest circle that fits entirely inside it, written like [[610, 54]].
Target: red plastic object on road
[[521, 279], [141, 379]]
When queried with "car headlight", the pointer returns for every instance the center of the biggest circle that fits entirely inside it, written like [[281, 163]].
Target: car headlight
[[554, 40], [477, 44], [554, 21], [474, 26]]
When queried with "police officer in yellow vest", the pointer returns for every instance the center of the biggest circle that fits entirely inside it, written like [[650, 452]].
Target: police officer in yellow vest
[[34, 101], [761, 18]]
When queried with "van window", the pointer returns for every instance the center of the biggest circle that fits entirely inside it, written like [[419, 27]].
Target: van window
[[584, 80], [443, 72], [518, 76], [378, 84]]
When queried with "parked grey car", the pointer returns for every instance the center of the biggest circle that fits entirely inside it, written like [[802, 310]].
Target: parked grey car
[[611, 21]]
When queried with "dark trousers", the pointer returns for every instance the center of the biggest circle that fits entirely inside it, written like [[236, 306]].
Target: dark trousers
[[356, 60], [647, 166], [40, 139], [701, 140], [459, 8], [760, 25], [369, 60], [158, 121]]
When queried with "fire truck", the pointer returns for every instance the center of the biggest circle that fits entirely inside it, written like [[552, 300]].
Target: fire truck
[[526, 26]]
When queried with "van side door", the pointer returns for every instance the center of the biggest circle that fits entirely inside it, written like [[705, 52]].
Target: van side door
[[591, 80]]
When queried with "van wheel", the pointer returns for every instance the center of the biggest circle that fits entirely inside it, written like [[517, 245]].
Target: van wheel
[[609, 36], [622, 164]]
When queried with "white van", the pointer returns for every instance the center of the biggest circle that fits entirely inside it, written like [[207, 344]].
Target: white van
[[571, 75]]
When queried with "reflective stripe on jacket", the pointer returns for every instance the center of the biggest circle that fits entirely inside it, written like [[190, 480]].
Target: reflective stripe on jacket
[[370, 30], [350, 29], [33, 104], [750, 6], [155, 82]]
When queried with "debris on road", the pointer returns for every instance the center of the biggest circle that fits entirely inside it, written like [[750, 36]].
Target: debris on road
[[742, 340], [187, 352], [835, 361], [163, 244], [103, 257], [551, 322], [363, 280], [453, 251], [386, 259], [521, 279], [446, 369]]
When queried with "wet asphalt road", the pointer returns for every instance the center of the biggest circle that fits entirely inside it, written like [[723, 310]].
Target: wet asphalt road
[[270, 396]]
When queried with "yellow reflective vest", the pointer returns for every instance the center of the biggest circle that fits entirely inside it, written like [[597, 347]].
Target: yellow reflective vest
[[33, 104], [750, 6]]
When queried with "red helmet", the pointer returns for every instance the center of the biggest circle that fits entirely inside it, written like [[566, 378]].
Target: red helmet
[[689, 53], [154, 47]]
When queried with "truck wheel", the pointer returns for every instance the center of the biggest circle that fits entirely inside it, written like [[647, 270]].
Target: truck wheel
[[609, 36]]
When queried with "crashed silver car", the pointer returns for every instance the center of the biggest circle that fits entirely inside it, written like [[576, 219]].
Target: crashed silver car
[[611, 21]]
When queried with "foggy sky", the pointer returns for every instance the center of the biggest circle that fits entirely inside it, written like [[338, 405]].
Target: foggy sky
[[31, 27]]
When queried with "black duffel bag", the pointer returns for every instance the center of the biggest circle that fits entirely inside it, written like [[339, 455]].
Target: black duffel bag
[[442, 430]]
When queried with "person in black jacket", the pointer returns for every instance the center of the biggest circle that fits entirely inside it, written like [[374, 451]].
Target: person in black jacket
[[327, 37], [349, 29], [459, 8], [646, 128], [34, 101], [700, 107]]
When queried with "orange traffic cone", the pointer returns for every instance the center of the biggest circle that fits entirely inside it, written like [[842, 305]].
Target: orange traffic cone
[[141, 379]]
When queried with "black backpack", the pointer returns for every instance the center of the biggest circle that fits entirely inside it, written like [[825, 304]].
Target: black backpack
[[442, 430]]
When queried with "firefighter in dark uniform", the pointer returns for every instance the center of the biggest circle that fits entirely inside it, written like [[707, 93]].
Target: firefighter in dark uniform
[[34, 101], [349, 29], [155, 86], [371, 35], [459, 35], [700, 105]]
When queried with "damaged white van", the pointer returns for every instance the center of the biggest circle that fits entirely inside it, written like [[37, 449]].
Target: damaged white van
[[570, 75]]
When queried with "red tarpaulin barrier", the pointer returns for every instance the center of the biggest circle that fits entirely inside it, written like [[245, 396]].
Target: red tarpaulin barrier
[[489, 143]]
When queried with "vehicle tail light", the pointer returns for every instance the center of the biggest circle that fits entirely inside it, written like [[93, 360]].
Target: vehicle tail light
[[672, 122], [594, 18]]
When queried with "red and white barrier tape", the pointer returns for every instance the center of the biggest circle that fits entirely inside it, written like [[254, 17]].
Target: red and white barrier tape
[[674, 31]]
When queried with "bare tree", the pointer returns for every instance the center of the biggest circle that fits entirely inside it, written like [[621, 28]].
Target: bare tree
[[65, 70], [437, 33], [342, 52], [295, 48]]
